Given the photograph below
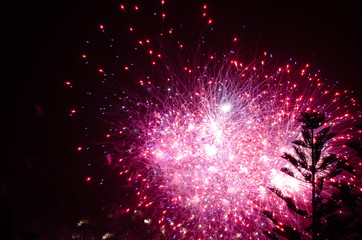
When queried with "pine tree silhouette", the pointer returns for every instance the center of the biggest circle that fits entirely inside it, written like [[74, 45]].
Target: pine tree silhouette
[[312, 166]]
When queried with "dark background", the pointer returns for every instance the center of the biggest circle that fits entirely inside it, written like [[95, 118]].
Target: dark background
[[42, 184]]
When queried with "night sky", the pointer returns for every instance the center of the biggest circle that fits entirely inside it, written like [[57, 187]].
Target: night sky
[[42, 189]]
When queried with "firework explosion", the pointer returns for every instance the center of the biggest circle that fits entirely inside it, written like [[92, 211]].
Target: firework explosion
[[199, 139]]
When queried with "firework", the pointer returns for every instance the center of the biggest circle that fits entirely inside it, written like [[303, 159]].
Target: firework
[[197, 137]]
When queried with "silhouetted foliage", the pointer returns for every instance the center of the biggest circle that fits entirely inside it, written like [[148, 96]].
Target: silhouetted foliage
[[315, 168]]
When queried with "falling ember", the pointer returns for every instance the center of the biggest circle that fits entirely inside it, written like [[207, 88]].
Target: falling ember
[[201, 140]]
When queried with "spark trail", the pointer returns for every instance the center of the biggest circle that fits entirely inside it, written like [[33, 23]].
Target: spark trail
[[199, 139]]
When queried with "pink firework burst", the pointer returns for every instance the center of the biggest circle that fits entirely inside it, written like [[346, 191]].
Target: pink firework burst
[[198, 137]]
